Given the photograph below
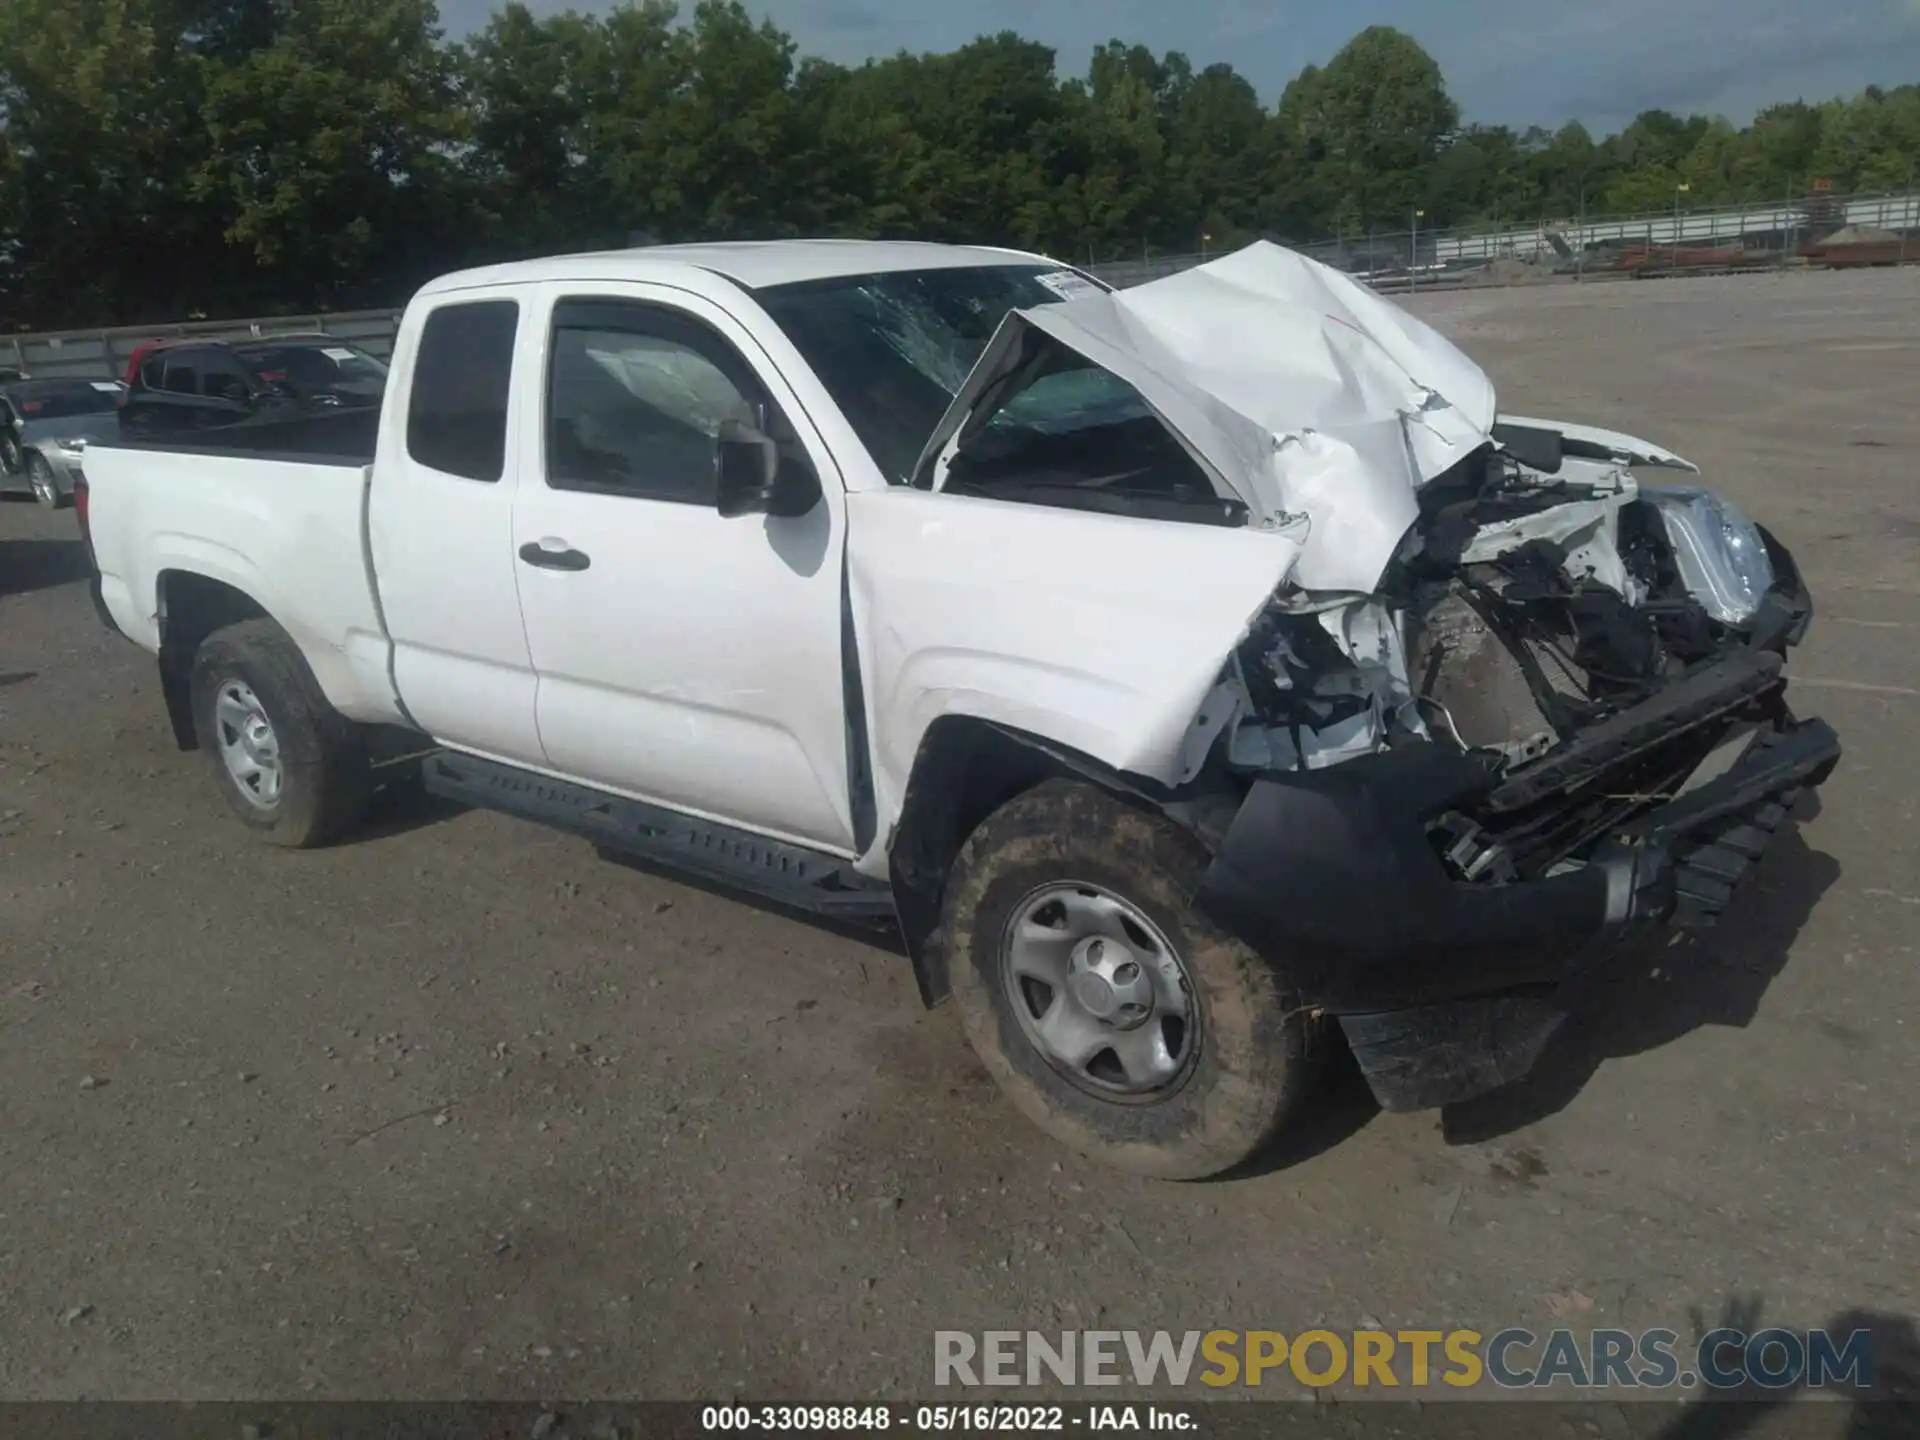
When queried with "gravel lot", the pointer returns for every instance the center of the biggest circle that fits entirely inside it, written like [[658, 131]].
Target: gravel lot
[[459, 1110]]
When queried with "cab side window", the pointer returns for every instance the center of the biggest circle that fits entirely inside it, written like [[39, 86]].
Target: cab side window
[[183, 373], [636, 396], [223, 379], [457, 411]]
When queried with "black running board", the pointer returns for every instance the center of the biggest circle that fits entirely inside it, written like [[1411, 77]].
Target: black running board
[[790, 875]]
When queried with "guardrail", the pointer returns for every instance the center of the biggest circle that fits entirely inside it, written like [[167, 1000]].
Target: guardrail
[[103, 354]]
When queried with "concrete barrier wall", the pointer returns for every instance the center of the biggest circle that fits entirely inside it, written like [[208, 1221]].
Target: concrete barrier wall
[[103, 354]]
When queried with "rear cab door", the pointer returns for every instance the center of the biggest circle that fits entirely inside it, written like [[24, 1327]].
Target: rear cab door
[[440, 521], [684, 658]]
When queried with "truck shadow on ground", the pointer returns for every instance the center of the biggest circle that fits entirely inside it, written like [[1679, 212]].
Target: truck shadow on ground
[[401, 804], [1653, 992], [1887, 1409], [28, 565], [1340, 1108]]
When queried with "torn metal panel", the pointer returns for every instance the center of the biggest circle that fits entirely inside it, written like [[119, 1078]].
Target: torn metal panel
[[1592, 442]]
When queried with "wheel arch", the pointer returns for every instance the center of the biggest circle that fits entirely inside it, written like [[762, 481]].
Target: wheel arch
[[965, 769], [190, 607]]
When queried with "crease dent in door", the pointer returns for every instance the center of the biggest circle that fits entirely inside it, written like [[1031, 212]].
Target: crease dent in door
[[1099, 633]]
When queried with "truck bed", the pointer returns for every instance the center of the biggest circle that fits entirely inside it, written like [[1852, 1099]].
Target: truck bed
[[324, 437], [259, 509]]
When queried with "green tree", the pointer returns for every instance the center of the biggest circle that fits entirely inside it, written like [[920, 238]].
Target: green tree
[[1225, 160], [331, 145], [98, 102], [1369, 124], [226, 156]]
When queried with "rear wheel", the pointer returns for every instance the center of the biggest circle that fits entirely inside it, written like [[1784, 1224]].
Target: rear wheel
[[291, 768], [1115, 1016]]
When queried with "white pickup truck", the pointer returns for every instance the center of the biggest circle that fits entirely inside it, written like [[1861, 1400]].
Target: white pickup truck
[[1199, 675]]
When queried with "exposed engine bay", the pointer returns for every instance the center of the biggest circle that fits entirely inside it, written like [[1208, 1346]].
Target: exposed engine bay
[[1592, 642]]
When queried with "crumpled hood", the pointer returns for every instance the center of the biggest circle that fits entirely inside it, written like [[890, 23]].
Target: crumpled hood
[[1321, 405]]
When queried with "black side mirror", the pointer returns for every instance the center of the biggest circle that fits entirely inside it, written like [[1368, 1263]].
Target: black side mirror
[[754, 478]]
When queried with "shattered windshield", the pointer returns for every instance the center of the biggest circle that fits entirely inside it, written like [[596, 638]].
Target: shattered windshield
[[893, 350]]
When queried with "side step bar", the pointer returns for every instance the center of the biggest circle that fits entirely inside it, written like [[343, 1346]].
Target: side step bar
[[770, 869]]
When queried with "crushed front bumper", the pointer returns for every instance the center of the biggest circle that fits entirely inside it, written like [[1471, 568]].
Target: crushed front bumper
[[1446, 987]]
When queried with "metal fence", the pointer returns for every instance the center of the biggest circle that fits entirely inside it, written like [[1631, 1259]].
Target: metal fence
[[1760, 236], [1733, 238]]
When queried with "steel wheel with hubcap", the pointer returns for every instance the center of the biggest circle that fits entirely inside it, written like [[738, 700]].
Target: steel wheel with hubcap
[[291, 767], [1112, 1013], [246, 743], [1099, 991]]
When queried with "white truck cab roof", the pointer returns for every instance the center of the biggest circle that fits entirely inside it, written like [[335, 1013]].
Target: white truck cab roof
[[752, 263]]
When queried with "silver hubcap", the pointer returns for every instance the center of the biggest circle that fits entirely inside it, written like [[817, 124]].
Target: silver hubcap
[[1099, 991], [248, 747], [42, 481]]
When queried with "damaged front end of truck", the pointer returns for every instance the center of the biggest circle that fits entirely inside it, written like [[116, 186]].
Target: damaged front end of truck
[[1527, 743], [1509, 702]]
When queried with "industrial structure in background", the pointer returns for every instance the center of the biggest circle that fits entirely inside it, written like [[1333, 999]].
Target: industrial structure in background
[[1816, 229]]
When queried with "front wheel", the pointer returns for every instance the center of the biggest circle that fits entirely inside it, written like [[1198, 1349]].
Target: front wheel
[[1115, 1016], [291, 768], [45, 488]]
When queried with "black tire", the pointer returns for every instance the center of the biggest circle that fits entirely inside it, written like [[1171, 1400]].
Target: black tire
[[325, 782], [10, 458], [45, 488], [1253, 1059]]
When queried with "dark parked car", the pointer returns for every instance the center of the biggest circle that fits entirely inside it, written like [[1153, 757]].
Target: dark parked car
[[202, 384]]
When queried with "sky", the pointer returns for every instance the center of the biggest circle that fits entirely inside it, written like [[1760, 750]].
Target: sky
[[1515, 62]]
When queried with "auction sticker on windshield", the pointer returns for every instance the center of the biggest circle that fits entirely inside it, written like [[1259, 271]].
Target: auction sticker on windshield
[[1069, 286]]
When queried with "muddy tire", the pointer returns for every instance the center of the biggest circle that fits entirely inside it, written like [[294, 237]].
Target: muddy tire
[[1211, 1053], [291, 768]]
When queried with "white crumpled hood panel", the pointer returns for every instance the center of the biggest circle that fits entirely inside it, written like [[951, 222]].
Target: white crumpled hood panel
[[1321, 405]]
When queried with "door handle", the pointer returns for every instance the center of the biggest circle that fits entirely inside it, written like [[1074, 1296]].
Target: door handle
[[565, 558]]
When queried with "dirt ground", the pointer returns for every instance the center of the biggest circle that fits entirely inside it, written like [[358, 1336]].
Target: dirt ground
[[459, 1110]]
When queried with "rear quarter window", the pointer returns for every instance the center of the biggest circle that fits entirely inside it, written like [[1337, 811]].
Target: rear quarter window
[[457, 411]]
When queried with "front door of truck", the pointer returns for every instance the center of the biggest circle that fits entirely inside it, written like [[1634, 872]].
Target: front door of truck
[[683, 657]]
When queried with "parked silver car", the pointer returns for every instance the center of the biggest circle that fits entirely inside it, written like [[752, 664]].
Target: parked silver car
[[44, 429]]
